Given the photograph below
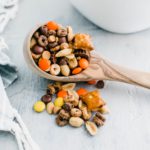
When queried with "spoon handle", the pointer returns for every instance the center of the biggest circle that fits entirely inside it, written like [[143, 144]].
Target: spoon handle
[[118, 73]]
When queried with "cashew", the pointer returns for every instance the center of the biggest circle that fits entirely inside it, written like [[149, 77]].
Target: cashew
[[86, 114]]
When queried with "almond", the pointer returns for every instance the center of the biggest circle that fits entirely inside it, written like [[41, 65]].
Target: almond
[[70, 35], [65, 70], [73, 63], [63, 52]]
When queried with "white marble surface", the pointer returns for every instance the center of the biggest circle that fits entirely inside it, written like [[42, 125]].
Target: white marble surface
[[128, 124]]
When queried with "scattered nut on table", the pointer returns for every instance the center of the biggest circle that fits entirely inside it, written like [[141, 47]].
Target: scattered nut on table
[[91, 128], [76, 121], [71, 106]]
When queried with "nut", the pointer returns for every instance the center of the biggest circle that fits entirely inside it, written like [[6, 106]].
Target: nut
[[70, 56], [51, 38], [46, 98], [81, 106], [39, 106], [100, 116], [70, 35], [86, 114], [42, 40], [74, 94], [76, 121], [65, 70], [33, 42], [60, 121], [104, 110], [64, 114], [63, 52], [75, 112], [55, 69], [73, 63], [98, 121], [67, 107], [56, 109], [91, 127], [72, 98], [51, 89], [64, 46], [68, 86], [46, 55], [50, 107]]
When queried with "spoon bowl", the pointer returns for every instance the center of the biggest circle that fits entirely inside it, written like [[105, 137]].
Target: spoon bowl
[[30, 61]]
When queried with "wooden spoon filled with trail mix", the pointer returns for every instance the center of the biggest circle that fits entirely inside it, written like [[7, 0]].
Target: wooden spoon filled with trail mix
[[56, 53]]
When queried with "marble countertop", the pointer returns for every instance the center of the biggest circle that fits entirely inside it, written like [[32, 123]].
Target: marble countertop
[[127, 125]]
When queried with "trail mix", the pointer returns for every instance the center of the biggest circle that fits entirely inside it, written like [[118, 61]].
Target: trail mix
[[58, 51], [74, 107]]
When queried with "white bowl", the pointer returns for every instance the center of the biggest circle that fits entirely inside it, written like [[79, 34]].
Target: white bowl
[[120, 16]]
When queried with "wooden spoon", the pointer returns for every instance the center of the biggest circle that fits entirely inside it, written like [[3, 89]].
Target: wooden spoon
[[99, 69]]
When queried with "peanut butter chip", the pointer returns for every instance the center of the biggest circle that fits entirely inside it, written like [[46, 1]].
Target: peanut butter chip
[[83, 41]]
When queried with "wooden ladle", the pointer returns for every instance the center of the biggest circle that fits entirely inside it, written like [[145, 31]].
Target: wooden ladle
[[99, 69]]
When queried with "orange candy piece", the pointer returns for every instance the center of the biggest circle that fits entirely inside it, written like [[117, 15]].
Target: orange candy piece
[[44, 64], [92, 82], [76, 70], [52, 25], [93, 100], [82, 91], [62, 93], [83, 63]]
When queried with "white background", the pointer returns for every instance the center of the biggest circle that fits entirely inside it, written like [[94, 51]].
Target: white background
[[127, 126]]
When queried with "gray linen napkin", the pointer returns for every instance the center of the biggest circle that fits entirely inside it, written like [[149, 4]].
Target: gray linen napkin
[[10, 120], [8, 70]]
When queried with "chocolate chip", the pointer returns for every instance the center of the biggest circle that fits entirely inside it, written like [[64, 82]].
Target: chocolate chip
[[62, 32], [100, 84], [62, 40], [37, 49], [46, 98]]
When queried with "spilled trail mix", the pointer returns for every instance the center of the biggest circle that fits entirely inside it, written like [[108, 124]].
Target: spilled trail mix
[[74, 107]]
